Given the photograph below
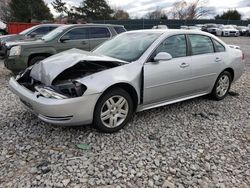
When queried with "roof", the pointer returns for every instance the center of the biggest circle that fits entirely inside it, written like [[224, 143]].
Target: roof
[[169, 31], [89, 24]]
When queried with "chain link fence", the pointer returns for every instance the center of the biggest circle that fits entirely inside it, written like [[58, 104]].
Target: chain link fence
[[174, 24]]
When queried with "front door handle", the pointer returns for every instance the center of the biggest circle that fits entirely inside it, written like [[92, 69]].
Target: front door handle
[[217, 59], [84, 42], [184, 65]]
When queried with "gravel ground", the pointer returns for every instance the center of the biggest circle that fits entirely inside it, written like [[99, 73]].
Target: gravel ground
[[196, 143]]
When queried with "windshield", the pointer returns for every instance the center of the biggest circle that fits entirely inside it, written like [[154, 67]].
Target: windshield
[[210, 26], [128, 46], [228, 27], [26, 31], [53, 34]]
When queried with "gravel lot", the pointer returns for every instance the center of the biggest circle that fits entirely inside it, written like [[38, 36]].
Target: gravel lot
[[196, 143]]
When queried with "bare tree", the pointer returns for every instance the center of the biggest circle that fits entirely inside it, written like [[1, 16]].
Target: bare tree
[[120, 14], [178, 10], [190, 11], [156, 14], [5, 13]]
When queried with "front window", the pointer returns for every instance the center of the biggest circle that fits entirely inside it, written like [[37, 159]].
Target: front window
[[201, 44], [176, 46], [128, 46], [77, 34]]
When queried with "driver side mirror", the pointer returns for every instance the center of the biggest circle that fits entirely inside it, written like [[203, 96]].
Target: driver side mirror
[[64, 38], [162, 56]]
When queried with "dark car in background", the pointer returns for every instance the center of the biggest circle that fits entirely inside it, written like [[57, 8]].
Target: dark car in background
[[86, 37], [242, 30], [32, 33]]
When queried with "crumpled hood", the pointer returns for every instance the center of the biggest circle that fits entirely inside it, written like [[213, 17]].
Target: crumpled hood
[[47, 70]]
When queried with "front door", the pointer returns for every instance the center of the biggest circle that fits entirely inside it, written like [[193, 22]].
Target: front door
[[168, 80], [75, 38]]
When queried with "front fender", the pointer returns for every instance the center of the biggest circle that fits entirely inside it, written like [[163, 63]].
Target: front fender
[[99, 82], [39, 50]]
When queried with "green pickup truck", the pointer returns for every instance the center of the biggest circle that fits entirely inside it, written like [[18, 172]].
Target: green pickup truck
[[23, 54]]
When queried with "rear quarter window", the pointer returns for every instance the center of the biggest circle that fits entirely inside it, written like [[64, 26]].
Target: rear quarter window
[[218, 46]]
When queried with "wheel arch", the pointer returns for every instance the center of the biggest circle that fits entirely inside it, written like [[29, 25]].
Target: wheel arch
[[128, 88], [230, 70], [38, 54]]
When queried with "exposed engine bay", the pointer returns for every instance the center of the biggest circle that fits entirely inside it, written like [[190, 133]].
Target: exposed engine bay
[[65, 84]]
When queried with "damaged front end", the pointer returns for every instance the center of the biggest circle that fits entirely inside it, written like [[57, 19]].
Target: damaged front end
[[65, 84]]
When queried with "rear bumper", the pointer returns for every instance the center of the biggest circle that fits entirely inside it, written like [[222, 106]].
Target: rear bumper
[[73, 111]]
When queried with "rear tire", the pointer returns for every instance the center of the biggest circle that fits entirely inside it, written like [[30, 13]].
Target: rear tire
[[222, 86], [36, 59], [113, 111]]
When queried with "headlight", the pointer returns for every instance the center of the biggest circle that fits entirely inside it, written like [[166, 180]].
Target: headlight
[[15, 51], [49, 93]]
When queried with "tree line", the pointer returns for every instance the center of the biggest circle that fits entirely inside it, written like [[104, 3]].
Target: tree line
[[88, 10]]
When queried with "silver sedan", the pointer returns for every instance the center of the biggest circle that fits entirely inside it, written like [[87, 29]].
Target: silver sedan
[[132, 72]]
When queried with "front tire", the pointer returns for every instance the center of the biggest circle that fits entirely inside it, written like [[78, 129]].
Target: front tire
[[222, 86], [113, 110]]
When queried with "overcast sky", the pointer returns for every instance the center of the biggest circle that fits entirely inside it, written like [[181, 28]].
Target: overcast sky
[[137, 8]]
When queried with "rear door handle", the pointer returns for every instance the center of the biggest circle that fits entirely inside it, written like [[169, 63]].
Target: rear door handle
[[184, 65], [84, 42], [217, 59]]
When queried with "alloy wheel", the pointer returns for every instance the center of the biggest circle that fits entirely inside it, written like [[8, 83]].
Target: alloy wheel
[[114, 111], [223, 85]]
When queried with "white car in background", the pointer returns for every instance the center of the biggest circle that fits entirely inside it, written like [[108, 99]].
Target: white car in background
[[160, 27], [229, 30]]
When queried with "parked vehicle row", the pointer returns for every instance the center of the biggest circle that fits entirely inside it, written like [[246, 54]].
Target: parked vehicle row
[[220, 29], [32, 33], [24, 53]]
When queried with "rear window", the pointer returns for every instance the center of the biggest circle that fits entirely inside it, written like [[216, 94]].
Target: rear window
[[201, 44], [119, 29], [99, 32]]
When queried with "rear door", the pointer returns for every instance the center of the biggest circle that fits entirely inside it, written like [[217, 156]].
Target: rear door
[[76, 38], [205, 64], [98, 35]]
